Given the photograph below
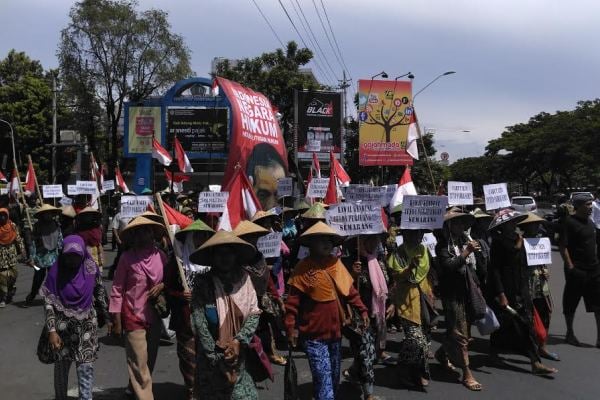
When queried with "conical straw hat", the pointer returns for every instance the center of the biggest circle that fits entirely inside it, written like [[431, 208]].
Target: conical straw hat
[[49, 209], [196, 226], [260, 215], [243, 250], [142, 222], [321, 230], [249, 228], [531, 218], [316, 211], [68, 211], [152, 216]]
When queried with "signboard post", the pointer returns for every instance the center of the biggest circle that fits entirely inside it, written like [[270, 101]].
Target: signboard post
[[212, 201]]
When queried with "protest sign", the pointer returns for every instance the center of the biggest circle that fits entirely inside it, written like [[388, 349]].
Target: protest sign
[[423, 212], [313, 145], [212, 201], [365, 193], [496, 196], [4, 191], [389, 194], [270, 245], [460, 193], [108, 185], [66, 201], [285, 187], [317, 187], [428, 241], [214, 188], [52, 191], [87, 187], [538, 250], [355, 218], [132, 206], [72, 190]]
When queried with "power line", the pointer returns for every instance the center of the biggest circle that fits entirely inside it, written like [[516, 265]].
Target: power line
[[269, 24], [314, 37], [327, 34], [335, 39], [302, 39]]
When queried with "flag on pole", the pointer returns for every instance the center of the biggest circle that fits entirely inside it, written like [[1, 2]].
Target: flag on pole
[[3, 178], [160, 153], [331, 197], [176, 218], [215, 88], [178, 178], [182, 159], [13, 186], [242, 202], [315, 167], [405, 187], [30, 179], [343, 179], [120, 181], [413, 135]]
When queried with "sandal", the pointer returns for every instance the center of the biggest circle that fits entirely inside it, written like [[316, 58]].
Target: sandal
[[444, 362], [549, 355], [540, 369], [277, 359], [472, 385]]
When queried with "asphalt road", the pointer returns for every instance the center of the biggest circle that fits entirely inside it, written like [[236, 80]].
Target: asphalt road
[[22, 376]]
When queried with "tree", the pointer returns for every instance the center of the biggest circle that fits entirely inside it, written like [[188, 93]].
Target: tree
[[276, 75], [118, 53], [387, 119]]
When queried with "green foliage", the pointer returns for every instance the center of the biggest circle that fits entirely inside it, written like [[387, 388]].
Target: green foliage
[[110, 52]]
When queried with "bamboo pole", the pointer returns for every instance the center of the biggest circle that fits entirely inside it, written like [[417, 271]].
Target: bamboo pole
[[161, 206]]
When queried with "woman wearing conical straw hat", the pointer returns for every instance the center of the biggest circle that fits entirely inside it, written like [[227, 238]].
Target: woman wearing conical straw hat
[[225, 315], [137, 282], [178, 299], [45, 246], [319, 286]]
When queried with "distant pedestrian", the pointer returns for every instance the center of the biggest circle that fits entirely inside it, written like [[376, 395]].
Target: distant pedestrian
[[582, 267], [11, 247]]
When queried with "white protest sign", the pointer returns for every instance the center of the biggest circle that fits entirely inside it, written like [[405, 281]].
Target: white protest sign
[[4, 191], [132, 206], [72, 190], [313, 145], [355, 218], [212, 201], [108, 185], [214, 188], [365, 193], [317, 187], [423, 212], [389, 193], [399, 240], [270, 245], [87, 187], [538, 250], [496, 196], [52, 191], [285, 187], [66, 201], [428, 241], [460, 193]]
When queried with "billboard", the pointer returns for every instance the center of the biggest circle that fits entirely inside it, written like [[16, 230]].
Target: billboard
[[384, 114], [143, 124], [319, 120], [199, 129]]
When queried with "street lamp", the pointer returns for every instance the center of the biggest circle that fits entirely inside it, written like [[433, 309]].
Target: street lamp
[[430, 83], [12, 139], [409, 74], [382, 74]]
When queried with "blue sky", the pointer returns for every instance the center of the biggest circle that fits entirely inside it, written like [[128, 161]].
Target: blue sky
[[513, 59]]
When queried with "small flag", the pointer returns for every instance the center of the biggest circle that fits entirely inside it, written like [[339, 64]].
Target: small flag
[[405, 187], [30, 179], [13, 186], [242, 202], [176, 218], [120, 181], [343, 179], [413, 135], [182, 159], [215, 88], [160, 153], [331, 197], [178, 178]]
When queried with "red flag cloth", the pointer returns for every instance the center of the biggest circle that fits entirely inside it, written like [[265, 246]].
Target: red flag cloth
[[13, 186], [30, 179], [331, 195], [405, 186], [182, 159], [242, 202], [343, 179], [315, 166], [441, 191], [384, 218], [178, 178], [3, 178], [256, 139], [120, 181], [176, 218], [160, 153]]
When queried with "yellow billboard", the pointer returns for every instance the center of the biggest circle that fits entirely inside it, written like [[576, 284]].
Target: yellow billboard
[[144, 123]]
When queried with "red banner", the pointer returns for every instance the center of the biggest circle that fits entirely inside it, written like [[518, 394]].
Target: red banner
[[256, 142]]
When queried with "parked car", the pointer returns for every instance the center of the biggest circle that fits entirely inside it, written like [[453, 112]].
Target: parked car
[[523, 203], [591, 196]]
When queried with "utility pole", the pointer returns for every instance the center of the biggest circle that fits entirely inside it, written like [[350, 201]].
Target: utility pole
[[344, 84], [53, 128]]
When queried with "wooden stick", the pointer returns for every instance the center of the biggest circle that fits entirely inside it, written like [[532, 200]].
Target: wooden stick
[[161, 207], [37, 185], [23, 196]]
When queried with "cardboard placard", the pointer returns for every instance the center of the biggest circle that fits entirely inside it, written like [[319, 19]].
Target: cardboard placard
[[428, 241], [317, 188], [460, 193], [362, 218], [72, 190], [87, 187], [52, 191], [538, 250], [132, 206], [214, 188], [270, 245], [66, 201], [313, 145], [496, 196], [108, 185], [285, 187], [369, 193], [3, 190], [212, 201], [423, 212]]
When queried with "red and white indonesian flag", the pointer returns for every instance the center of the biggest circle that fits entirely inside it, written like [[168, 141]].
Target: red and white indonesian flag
[[413, 135], [343, 179], [3, 178], [405, 187], [177, 178], [182, 159], [331, 197], [176, 218], [242, 202], [30, 179], [160, 153], [13, 186], [120, 181]]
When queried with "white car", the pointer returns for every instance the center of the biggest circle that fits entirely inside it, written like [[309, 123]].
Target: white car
[[523, 203]]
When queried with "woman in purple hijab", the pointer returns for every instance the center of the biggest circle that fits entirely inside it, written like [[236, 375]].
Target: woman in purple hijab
[[72, 290]]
